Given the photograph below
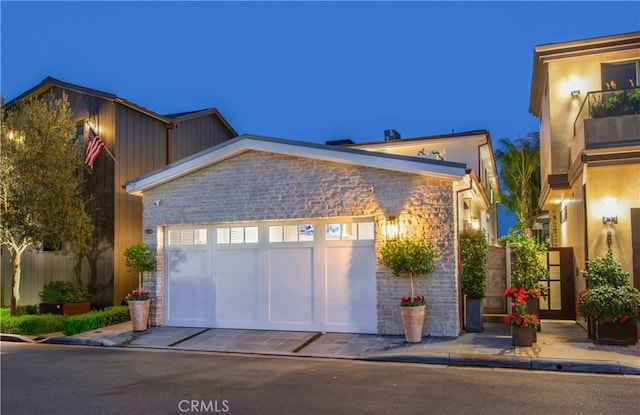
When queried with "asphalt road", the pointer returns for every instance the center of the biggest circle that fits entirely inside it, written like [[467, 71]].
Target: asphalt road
[[49, 379]]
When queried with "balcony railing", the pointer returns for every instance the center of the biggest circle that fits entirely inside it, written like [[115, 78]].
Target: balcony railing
[[613, 103], [618, 112]]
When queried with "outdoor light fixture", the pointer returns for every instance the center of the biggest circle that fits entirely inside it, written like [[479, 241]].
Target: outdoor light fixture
[[392, 227], [574, 83], [610, 211]]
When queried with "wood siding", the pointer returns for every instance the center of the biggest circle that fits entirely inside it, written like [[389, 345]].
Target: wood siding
[[40, 267], [197, 134], [140, 148]]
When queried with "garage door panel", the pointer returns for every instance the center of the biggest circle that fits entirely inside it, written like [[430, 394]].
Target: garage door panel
[[237, 286], [350, 282], [187, 286], [290, 285]]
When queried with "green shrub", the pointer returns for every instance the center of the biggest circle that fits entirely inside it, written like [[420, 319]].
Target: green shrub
[[60, 292], [95, 320], [30, 324], [605, 270], [473, 255]]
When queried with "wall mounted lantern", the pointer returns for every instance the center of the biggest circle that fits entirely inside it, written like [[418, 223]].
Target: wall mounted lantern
[[392, 227], [574, 84], [610, 211]]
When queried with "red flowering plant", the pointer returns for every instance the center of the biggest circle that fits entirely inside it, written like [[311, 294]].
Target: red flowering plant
[[416, 301], [137, 295], [609, 304], [519, 316]]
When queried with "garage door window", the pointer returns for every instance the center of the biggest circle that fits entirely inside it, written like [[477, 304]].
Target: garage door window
[[291, 233], [349, 231], [188, 237], [238, 235]]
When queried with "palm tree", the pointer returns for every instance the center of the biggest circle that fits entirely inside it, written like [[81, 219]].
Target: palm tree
[[519, 163]]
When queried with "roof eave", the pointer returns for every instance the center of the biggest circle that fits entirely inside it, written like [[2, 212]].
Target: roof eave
[[245, 143]]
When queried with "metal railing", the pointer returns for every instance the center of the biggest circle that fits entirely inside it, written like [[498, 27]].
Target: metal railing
[[612, 103]]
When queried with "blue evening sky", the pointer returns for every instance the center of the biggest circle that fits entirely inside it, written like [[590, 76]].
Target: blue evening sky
[[310, 71]]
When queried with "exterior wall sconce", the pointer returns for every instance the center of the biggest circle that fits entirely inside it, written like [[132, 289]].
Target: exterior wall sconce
[[610, 211], [392, 227], [574, 85], [475, 223]]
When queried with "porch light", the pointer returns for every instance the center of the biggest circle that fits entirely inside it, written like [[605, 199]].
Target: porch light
[[475, 223], [392, 227], [575, 86], [609, 211]]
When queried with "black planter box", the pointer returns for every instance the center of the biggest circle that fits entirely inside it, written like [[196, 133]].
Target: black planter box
[[67, 309], [473, 316], [615, 333]]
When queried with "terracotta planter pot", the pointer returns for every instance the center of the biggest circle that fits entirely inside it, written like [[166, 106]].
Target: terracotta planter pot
[[139, 312], [522, 336], [412, 321]]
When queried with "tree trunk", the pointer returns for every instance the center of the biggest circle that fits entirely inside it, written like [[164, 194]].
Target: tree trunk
[[16, 257]]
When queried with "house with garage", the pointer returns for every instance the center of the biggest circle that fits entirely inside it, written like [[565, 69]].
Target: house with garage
[[137, 140], [585, 93], [265, 233]]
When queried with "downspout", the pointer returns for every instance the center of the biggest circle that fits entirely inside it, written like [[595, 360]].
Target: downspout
[[461, 309]]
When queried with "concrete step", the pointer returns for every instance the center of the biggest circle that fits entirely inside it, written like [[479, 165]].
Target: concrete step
[[494, 318]]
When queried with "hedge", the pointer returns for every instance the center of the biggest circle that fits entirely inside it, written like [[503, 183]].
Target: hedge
[[51, 323], [31, 324], [95, 320]]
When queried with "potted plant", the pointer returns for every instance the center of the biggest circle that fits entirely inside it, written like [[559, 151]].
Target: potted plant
[[140, 259], [473, 258], [523, 323], [527, 272], [412, 256], [610, 304], [64, 297]]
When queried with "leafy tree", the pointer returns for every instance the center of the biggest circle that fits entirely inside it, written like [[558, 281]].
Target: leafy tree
[[40, 193], [520, 174]]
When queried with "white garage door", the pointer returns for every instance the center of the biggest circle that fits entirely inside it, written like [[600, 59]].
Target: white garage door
[[312, 276]]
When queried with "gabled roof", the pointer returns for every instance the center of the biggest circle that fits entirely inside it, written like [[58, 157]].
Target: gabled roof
[[50, 82], [245, 142], [542, 54], [188, 115]]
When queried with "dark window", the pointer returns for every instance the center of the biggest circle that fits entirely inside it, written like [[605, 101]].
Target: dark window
[[79, 137], [619, 75]]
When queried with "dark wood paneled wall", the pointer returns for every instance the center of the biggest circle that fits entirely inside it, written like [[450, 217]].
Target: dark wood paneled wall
[[140, 148], [197, 134]]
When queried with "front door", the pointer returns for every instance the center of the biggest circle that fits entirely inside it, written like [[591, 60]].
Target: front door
[[561, 303]]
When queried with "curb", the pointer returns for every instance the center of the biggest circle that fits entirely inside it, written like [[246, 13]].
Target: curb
[[81, 341], [16, 338], [515, 362]]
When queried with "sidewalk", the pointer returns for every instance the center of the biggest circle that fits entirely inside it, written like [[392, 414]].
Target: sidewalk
[[561, 346]]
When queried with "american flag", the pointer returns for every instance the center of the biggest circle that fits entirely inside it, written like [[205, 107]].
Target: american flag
[[94, 147]]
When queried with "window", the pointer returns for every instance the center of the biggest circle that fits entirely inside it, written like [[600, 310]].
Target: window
[[619, 75], [291, 233], [79, 137], [237, 235], [349, 231], [187, 237]]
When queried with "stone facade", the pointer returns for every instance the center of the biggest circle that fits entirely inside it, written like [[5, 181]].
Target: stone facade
[[258, 186]]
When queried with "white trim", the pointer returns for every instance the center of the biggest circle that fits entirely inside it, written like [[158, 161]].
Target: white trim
[[245, 143]]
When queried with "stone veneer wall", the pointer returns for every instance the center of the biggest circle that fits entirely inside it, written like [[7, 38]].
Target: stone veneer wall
[[257, 186]]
